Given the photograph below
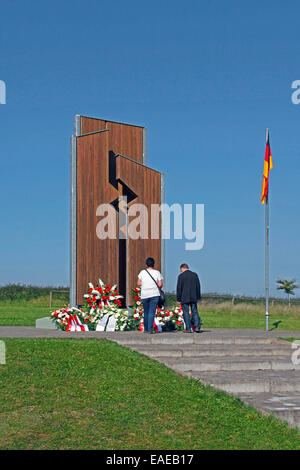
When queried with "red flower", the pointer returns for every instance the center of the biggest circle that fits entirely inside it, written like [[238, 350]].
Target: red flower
[[178, 322]]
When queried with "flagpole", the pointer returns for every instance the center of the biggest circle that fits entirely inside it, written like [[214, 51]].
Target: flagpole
[[267, 227]]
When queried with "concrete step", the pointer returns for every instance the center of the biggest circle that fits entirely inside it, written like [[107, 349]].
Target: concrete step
[[217, 350], [253, 367], [249, 381], [209, 364], [284, 406], [185, 338]]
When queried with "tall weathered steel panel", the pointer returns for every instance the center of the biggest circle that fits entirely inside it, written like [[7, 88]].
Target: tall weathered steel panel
[[107, 162]]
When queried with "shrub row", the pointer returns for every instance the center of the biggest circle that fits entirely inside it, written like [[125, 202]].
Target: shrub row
[[27, 292]]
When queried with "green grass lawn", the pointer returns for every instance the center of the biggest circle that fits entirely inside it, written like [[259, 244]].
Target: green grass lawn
[[290, 340], [25, 313], [222, 315], [226, 315], [91, 394]]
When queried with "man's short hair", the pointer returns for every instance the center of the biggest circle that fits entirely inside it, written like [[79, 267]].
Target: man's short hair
[[184, 266], [150, 262]]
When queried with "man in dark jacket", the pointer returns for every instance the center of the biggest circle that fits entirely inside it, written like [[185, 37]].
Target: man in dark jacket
[[188, 293]]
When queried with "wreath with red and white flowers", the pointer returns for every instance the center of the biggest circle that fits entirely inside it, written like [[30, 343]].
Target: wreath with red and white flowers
[[103, 299], [102, 302], [69, 319], [164, 319]]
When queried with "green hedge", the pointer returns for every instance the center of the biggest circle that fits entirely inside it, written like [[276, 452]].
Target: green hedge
[[26, 292]]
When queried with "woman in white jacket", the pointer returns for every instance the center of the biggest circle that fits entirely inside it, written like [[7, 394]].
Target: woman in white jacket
[[148, 279]]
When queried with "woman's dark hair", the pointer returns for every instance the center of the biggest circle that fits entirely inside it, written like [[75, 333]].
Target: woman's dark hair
[[150, 262]]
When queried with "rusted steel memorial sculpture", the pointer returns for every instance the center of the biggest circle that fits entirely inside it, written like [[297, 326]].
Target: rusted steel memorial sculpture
[[110, 186]]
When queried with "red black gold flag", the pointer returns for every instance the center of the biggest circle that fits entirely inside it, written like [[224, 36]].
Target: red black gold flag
[[267, 167]]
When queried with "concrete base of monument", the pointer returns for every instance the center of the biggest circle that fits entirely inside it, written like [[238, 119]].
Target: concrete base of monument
[[45, 322]]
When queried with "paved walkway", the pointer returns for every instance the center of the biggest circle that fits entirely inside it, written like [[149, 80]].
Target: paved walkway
[[32, 332]]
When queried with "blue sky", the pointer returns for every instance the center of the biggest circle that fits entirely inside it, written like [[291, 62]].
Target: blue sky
[[205, 77]]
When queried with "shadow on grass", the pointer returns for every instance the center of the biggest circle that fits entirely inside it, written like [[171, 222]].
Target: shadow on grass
[[275, 325]]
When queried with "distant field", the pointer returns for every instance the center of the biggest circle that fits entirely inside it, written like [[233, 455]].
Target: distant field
[[247, 315], [213, 315], [24, 313]]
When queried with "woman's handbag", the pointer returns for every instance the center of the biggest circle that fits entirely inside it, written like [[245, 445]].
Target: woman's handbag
[[162, 303]]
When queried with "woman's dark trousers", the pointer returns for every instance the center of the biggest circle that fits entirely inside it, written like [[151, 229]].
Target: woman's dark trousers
[[149, 306]]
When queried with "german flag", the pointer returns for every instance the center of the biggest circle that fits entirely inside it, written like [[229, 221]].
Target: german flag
[[267, 167]]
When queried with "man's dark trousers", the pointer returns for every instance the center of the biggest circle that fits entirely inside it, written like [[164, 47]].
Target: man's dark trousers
[[188, 318]]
